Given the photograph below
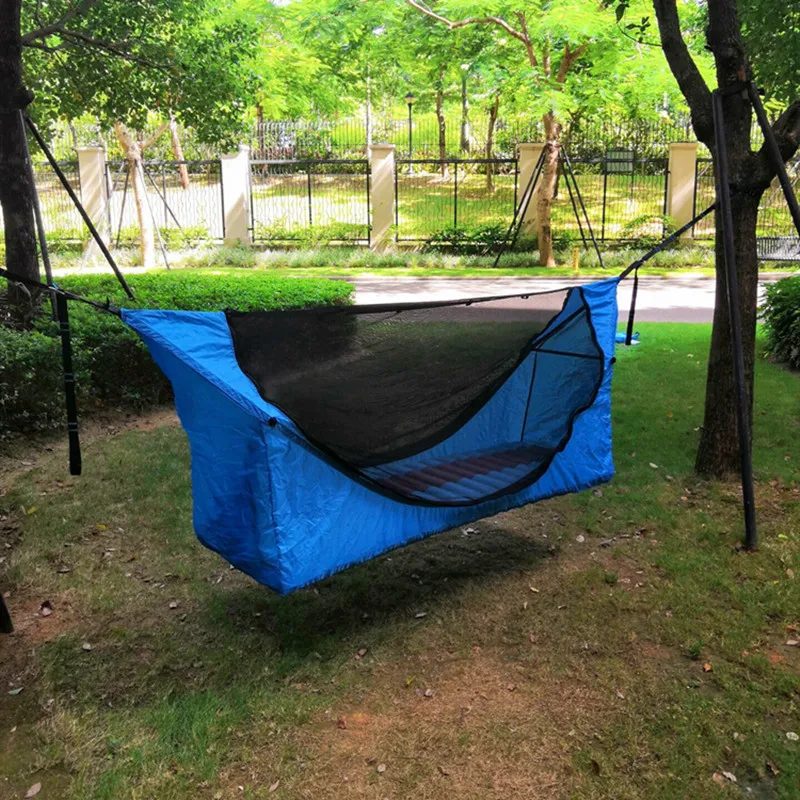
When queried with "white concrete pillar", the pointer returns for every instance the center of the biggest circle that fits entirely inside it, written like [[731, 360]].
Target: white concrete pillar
[[383, 200], [94, 190], [235, 175], [681, 182], [528, 158]]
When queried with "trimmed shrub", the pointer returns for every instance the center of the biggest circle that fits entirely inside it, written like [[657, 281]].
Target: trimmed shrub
[[781, 313], [112, 365]]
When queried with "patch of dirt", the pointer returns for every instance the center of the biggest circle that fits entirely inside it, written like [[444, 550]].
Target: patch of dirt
[[467, 728]]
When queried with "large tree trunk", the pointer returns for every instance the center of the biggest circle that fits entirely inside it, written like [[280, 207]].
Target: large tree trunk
[[177, 151], [130, 147], [465, 131], [16, 191], [493, 111], [440, 118], [547, 185], [718, 452]]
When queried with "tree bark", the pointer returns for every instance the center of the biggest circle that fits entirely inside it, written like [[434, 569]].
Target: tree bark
[[440, 118], [16, 191], [718, 451], [465, 131], [546, 190], [493, 111], [177, 151], [133, 154]]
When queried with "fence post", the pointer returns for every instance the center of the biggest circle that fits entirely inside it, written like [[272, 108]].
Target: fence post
[[528, 158], [94, 190], [681, 178], [235, 174], [382, 166]]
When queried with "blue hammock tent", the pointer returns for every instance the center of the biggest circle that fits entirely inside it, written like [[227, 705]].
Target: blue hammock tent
[[325, 437], [296, 479]]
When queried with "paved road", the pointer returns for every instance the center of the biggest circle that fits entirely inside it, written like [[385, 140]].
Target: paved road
[[676, 299]]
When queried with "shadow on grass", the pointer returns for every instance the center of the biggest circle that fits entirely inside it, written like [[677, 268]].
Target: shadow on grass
[[247, 635]]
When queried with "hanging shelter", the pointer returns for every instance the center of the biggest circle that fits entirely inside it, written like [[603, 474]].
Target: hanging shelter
[[324, 437]]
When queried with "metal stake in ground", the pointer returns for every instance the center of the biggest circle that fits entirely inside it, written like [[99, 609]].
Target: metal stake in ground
[[742, 404]]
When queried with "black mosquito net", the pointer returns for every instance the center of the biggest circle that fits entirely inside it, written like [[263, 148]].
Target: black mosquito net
[[376, 383]]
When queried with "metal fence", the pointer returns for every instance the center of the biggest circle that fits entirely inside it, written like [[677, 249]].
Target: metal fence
[[437, 199], [182, 196], [323, 200], [61, 219]]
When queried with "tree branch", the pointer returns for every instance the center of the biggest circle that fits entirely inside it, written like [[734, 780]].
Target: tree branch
[[523, 25], [567, 60], [56, 27], [155, 136], [680, 61], [453, 24]]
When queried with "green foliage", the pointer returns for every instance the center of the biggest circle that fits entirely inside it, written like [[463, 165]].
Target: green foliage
[[112, 365], [468, 238], [781, 313], [649, 229]]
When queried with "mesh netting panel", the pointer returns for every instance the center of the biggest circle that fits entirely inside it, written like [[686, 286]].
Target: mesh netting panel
[[372, 383]]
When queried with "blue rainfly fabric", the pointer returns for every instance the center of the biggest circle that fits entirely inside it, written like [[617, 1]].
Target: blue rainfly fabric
[[279, 510]]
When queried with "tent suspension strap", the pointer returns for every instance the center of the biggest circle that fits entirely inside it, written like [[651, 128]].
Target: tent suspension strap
[[666, 242], [632, 311], [56, 290], [69, 386], [729, 246], [78, 205]]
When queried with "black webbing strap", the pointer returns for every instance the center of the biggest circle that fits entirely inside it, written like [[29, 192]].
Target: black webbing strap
[[667, 242], [32, 284], [62, 311], [632, 312]]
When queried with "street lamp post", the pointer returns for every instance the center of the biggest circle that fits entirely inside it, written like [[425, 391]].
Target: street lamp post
[[410, 99]]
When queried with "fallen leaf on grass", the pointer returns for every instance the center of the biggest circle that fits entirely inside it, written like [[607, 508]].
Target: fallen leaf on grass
[[420, 614], [773, 768], [15, 692], [717, 778], [34, 790], [341, 723], [534, 589], [381, 768], [361, 653], [444, 771], [792, 736], [793, 642], [730, 776], [46, 609], [707, 667], [86, 647], [776, 658], [654, 466], [274, 786]]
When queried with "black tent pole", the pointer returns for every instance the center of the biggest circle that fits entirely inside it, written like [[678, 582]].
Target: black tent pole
[[583, 207], [78, 205], [742, 404], [775, 154], [522, 207]]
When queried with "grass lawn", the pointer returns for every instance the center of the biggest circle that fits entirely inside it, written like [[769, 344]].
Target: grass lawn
[[612, 644]]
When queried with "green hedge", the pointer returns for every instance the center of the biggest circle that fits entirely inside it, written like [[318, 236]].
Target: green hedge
[[112, 365], [781, 312]]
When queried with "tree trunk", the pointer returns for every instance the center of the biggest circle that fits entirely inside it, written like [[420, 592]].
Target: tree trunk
[[718, 451], [547, 185], [16, 191], [177, 151], [493, 111], [465, 131], [442, 131], [133, 153]]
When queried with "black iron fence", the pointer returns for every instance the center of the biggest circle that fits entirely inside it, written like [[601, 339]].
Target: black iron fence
[[184, 197], [322, 200], [61, 219], [454, 199]]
